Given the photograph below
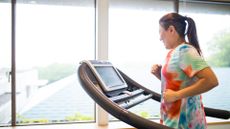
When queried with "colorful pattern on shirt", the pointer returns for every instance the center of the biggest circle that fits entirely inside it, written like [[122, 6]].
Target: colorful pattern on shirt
[[181, 64]]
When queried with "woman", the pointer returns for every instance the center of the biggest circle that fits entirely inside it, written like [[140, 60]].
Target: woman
[[184, 76]]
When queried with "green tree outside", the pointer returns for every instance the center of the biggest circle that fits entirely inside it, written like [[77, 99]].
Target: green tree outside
[[219, 47], [79, 117]]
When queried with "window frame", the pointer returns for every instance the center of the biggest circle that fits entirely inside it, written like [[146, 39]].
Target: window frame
[[13, 62], [101, 49]]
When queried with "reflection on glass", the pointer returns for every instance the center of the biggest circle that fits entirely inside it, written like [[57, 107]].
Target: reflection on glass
[[5, 65], [52, 38]]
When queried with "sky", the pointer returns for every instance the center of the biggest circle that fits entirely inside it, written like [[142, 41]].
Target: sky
[[50, 34]]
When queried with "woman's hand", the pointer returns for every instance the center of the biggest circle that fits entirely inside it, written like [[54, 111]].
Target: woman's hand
[[156, 70], [170, 96]]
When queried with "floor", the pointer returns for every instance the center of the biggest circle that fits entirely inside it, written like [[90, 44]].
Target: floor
[[112, 125], [213, 123]]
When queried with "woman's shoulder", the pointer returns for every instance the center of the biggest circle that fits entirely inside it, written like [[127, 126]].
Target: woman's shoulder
[[187, 50], [185, 47]]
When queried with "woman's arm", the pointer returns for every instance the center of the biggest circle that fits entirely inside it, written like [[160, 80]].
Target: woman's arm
[[206, 81]]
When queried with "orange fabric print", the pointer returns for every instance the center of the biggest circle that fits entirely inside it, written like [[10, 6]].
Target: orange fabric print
[[188, 71], [173, 109]]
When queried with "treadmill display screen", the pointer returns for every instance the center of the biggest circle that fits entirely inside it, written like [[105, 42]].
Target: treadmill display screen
[[110, 76]]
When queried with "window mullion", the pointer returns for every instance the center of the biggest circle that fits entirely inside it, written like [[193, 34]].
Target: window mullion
[[102, 7], [13, 66]]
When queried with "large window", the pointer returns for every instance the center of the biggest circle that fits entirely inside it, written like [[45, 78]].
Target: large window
[[52, 37], [134, 44], [213, 30], [5, 65]]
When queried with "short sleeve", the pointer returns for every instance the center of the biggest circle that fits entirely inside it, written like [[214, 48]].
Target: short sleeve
[[190, 60]]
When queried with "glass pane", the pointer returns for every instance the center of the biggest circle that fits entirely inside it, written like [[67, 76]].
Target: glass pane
[[52, 38], [133, 35], [5, 63], [213, 30]]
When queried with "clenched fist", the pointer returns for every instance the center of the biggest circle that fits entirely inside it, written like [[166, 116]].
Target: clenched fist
[[156, 70]]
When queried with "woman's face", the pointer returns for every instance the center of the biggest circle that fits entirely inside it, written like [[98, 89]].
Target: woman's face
[[166, 36]]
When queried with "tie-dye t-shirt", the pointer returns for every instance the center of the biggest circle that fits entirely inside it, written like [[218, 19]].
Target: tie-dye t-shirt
[[181, 64]]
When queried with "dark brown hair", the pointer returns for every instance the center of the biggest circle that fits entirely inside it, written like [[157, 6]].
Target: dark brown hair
[[180, 22]]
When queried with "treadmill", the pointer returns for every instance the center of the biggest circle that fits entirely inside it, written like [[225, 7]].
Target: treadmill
[[115, 92]]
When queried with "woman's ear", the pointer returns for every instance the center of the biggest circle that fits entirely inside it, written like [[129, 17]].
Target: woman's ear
[[171, 28]]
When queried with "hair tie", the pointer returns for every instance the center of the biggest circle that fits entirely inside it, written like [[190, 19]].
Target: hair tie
[[186, 26]]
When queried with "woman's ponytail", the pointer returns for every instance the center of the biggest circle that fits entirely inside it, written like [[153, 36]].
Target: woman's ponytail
[[192, 34]]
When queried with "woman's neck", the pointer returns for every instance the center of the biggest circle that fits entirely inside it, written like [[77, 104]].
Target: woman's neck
[[179, 42]]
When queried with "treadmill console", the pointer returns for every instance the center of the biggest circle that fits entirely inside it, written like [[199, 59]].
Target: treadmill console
[[107, 75]]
